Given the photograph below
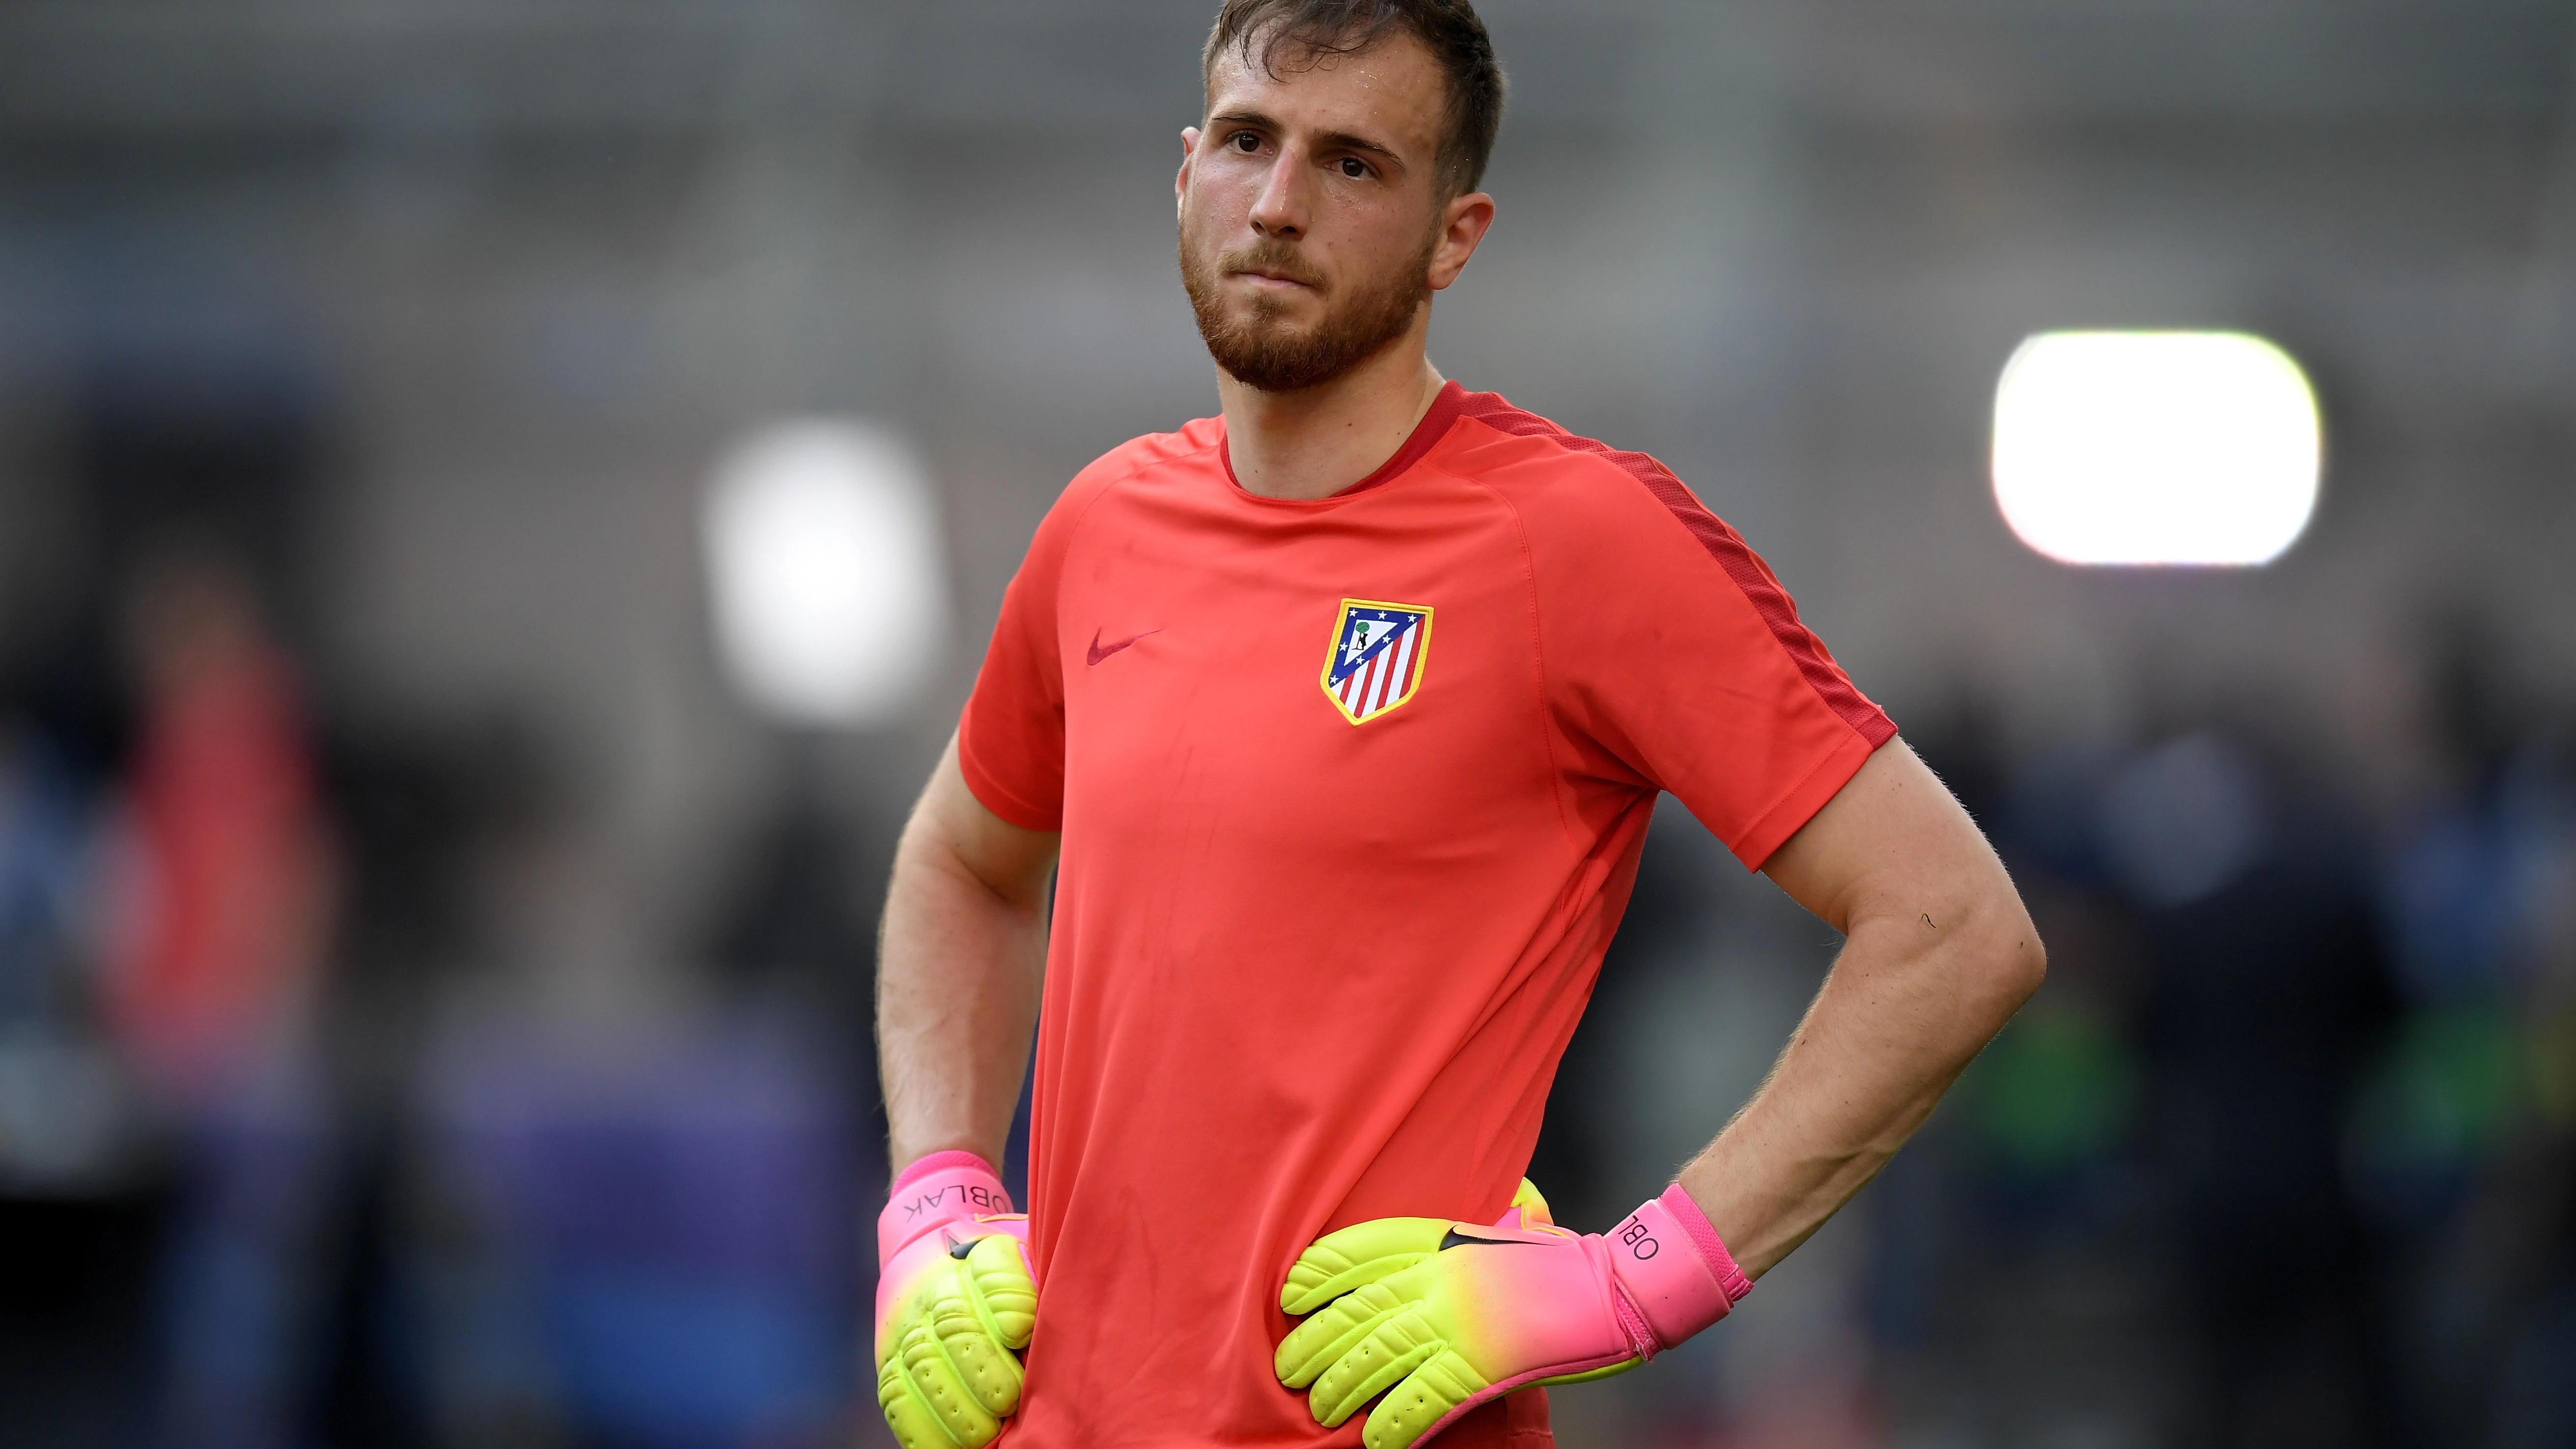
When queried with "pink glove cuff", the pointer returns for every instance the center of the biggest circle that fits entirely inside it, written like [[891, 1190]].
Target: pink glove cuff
[[1703, 1236], [1673, 1269], [942, 1188]]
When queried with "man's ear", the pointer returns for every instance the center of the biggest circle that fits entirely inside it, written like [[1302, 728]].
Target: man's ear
[[1181, 182], [1463, 221]]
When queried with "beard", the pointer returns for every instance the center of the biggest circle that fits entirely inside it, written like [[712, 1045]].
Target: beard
[[1260, 349]]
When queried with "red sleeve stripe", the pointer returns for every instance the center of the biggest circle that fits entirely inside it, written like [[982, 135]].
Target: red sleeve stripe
[[1724, 545]]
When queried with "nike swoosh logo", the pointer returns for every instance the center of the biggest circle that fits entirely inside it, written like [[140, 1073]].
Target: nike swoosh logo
[[1456, 1239], [1098, 653]]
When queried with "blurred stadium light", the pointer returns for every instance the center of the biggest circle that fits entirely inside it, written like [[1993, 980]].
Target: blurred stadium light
[[825, 561], [2155, 447]]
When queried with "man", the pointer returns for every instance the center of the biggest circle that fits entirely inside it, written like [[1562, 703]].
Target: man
[[1348, 709]]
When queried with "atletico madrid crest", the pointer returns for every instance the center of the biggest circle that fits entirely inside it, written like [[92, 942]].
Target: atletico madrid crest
[[1377, 657]]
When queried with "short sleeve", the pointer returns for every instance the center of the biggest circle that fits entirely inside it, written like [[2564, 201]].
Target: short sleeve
[[1010, 740], [1672, 654]]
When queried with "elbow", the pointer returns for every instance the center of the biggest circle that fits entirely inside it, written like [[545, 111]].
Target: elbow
[[2019, 959], [1997, 962], [2030, 962]]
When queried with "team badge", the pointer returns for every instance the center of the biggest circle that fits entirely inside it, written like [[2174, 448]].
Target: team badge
[[1377, 656]]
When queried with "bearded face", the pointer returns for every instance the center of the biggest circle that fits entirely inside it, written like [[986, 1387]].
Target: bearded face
[[1253, 333], [1315, 220]]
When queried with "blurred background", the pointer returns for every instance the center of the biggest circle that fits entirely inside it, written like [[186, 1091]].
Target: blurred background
[[500, 503]]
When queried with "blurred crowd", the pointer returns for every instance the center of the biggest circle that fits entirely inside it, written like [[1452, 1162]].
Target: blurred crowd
[[344, 1100]]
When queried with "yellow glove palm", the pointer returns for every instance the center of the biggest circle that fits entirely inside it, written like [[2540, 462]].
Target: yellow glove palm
[[948, 1368], [956, 1302]]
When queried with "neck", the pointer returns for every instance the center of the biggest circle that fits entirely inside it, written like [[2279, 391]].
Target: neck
[[1315, 443]]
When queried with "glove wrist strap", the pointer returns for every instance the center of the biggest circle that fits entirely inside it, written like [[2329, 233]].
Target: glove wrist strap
[[1704, 1238], [1673, 1269], [942, 1188]]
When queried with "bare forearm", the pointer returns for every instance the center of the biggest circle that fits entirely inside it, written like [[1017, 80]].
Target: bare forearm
[[1906, 1007], [960, 963]]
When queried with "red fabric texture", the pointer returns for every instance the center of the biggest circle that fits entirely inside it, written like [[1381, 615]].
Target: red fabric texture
[[1724, 545], [1303, 972]]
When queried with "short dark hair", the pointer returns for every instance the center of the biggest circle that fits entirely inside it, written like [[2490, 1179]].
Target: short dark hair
[[1311, 31]]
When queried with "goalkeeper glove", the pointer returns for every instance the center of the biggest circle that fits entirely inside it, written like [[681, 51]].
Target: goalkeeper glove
[[1443, 1316], [956, 1301]]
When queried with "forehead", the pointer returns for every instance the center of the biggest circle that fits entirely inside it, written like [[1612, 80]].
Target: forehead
[[1392, 93]]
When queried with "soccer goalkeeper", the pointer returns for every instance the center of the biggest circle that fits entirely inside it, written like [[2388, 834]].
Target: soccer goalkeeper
[[1336, 721]]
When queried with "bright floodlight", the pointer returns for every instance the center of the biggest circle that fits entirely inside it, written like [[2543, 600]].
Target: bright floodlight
[[2155, 447], [824, 556]]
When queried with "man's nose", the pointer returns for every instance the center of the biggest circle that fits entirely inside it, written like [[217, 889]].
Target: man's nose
[[1280, 208]]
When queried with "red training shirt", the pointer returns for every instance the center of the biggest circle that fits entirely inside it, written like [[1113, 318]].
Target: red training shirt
[[1352, 793]]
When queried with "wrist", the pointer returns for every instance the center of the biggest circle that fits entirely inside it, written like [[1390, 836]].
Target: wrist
[[1702, 1235], [1673, 1268], [938, 1189]]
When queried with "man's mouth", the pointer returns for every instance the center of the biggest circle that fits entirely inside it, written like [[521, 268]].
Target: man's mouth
[[1266, 269], [1266, 277]]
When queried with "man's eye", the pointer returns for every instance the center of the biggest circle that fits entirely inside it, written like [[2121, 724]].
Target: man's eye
[[1354, 168], [1245, 141]]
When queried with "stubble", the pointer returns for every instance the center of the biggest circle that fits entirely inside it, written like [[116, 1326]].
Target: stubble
[[1261, 349]]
